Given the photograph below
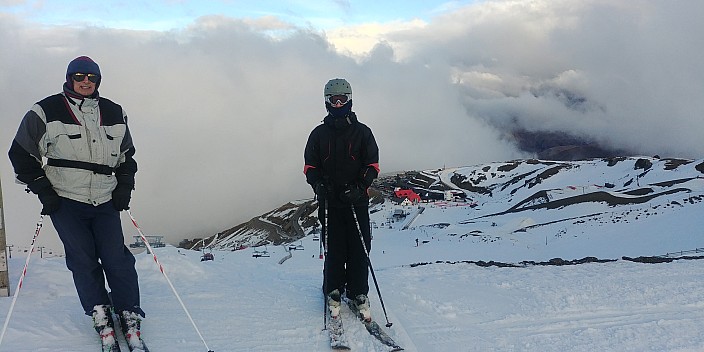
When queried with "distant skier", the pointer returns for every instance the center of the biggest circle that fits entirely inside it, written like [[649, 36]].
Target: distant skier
[[341, 161], [87, 180]]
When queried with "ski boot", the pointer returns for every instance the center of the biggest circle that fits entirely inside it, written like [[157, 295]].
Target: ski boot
[[103, 324], [334, 303], [130, 323], [360, 304]]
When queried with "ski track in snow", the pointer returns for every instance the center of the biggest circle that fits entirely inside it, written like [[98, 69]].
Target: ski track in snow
[[570, 309]]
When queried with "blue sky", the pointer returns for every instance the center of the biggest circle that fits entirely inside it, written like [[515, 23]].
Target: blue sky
[[171, 14]]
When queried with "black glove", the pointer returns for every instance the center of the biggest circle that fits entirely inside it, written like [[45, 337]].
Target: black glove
[[123, 192], [352, 193], [322, 189], [45, 191], [50, 201], [121, 197]]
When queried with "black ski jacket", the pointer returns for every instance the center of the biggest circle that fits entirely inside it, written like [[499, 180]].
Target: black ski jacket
[[341, 152]]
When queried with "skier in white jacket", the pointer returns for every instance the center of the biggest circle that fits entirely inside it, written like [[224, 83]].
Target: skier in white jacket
[[74, 150]]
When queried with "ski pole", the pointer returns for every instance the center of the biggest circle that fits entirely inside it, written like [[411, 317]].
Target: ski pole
[[324, 244], [320, 256], [161, 268], [24, 273], [371, 269], [322, 228]]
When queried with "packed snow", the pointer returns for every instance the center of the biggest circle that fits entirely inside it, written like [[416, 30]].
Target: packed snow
[[441, 292]]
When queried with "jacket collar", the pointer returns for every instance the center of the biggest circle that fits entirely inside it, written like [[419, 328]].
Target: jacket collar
[[340, 122], [79, 100]]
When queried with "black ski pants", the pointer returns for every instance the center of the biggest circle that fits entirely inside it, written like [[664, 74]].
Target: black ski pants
[[346, 266]]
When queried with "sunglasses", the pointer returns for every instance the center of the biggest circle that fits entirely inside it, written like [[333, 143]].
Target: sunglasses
[[338, 100], [79, 77]]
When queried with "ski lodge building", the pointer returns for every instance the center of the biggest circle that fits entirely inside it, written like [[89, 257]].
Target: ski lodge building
[[406, 194]]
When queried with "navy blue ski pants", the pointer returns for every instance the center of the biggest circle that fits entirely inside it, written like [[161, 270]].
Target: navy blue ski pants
[[346, 265], [95, 251]]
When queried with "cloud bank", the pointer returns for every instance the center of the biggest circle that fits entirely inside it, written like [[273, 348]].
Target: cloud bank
[[220, 111], [626, 75]]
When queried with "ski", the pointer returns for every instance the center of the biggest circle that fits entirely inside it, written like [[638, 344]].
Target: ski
[[338, 340], [375, 330], [137, 346]]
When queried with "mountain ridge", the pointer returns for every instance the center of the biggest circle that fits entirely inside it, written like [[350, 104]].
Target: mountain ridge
[[511, 187]]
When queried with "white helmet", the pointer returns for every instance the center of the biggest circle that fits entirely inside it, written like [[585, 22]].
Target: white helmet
[[337, 86], [338, 92]]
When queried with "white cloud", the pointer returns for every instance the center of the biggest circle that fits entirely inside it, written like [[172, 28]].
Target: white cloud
[[220, 114], [221, 110], [359, 40], [635, 66]]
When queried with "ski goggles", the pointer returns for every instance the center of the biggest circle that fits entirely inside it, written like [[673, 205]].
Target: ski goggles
[[79, 77], [338, 100]]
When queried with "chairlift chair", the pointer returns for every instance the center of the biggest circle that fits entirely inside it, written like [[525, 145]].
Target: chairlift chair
[[297, 247], [206, 255], [260, 253]]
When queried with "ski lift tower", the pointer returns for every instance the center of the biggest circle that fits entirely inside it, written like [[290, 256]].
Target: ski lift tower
[[4, 279]]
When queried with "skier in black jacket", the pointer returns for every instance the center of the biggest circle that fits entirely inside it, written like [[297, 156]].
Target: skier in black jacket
[[341, 161]]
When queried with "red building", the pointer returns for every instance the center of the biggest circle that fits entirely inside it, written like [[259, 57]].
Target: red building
[[407, 193]]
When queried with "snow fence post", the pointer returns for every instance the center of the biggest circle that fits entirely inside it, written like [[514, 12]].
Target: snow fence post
[[4, 276]]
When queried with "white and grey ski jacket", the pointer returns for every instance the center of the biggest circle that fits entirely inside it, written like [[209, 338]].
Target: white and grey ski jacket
[[86, 144]]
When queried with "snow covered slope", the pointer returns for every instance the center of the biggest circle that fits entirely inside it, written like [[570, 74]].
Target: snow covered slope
[[435, 294]]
